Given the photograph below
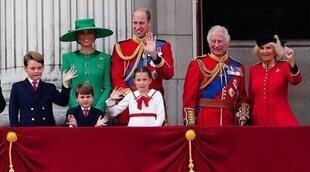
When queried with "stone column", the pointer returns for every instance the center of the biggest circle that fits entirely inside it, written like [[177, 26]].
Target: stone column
[[36, 25]]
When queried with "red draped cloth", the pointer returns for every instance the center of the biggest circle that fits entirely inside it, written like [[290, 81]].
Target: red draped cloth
[[157, 149]]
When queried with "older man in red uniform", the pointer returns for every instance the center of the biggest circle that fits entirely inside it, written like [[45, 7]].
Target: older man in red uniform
[[214, 86], [143, 49]]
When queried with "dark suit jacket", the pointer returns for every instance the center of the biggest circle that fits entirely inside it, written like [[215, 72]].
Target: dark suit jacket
[[35, 108], [91, 119], [2, 101]]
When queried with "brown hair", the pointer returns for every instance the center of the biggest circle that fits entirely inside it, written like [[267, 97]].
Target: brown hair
[[33, 55], [77, 39], [84, 88], [142, 70], [147, 12]]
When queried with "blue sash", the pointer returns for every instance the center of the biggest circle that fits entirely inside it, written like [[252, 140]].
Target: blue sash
[[215, 87], [130, 81]]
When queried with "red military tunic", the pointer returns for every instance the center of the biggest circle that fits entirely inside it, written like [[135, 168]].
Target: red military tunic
[[128, 55], [268, 94], [213, 90]]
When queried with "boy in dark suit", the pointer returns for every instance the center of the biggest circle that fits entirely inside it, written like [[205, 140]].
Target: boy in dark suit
[[32, 100], [85, 115]]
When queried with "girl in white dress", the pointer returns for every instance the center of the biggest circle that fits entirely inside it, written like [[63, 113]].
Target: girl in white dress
[[146, 106]]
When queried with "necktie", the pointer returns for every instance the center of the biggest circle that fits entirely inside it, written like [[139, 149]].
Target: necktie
[[85, 112], [34, 85]]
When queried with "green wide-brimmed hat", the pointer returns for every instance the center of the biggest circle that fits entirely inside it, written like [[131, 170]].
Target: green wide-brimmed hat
[[85, 24]]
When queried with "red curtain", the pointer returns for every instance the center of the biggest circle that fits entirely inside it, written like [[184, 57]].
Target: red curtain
[[157, 149], [252, 149]]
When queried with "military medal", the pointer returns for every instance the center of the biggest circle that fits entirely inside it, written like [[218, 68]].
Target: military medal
[[235, 83], [144, 57], [154, 74], [231, 92], [158, 49], [233, 70]]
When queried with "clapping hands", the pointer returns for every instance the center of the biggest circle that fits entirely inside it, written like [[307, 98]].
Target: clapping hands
[[71, 121], [102, 121]]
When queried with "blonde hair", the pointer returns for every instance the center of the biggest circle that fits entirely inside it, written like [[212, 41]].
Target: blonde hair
[[279, 49]]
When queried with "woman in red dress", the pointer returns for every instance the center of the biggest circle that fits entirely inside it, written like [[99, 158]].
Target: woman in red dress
[[268, 83]]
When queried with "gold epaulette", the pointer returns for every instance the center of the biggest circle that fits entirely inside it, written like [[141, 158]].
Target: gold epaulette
[[199, 57]]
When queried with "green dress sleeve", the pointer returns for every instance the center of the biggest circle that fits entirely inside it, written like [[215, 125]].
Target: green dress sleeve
[[107, 86]]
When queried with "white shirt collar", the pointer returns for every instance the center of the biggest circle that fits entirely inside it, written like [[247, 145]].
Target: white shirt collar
[[30, 80], [151, 91], [85, 108]]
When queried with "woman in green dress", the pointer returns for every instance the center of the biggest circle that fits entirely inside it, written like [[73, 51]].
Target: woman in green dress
[[92, 66]]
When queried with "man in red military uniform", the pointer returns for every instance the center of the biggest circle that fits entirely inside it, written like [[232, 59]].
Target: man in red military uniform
[[214, 86], [143, 49]]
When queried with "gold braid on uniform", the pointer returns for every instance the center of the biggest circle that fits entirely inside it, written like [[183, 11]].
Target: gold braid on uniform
[[213, 73], [135, 65], [190, 118], [121, 55], [137, 53]]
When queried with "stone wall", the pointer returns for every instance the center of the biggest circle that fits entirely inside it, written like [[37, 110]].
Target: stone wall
[[172, 21]]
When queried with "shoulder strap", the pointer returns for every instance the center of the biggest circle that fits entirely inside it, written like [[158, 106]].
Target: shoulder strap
[[138, 50], [207, 73]]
